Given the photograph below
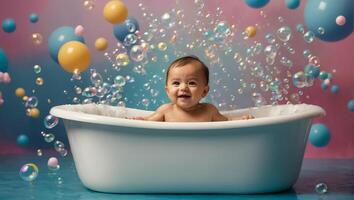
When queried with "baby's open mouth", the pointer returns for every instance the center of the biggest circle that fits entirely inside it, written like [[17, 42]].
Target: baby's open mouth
[[184, 96]]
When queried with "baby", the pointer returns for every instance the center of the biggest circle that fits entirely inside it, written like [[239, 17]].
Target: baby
[[187, 81]]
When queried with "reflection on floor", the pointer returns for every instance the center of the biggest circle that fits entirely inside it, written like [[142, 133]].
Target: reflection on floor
[[338, 175]]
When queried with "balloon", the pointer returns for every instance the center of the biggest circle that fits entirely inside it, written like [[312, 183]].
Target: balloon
[[292, 4], [33, 18], [323, 14], [115, 12], [59, 37], [350, 105], [319, 135], [340, 20], [73, 56], [4, 63], [256, 3], [122, 30], [20, 92], [251, 31], [101, 44], [79, 30], [9, 25]]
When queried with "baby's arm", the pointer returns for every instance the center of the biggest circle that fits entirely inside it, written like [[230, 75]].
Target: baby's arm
[[216, 115], [158, 115]]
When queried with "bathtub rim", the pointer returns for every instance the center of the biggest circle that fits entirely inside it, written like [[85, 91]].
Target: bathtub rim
[[311, 112]]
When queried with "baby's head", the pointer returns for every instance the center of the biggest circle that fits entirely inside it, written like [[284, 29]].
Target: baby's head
[[187, 81]]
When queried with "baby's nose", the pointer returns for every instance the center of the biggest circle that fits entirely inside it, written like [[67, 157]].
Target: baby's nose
[[183, 86]]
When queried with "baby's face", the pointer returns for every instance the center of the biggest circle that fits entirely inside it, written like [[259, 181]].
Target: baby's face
[[186, 85]]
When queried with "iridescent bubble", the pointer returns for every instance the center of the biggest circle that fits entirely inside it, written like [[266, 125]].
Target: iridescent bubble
[[321, 30], [286, 62], [50, 121], [39, 81], [314, 60], [101, 91], [162, 46], [37, 38], [270, 38], [130, 39], [222, 29], [307, 53], [119, 80], [89, 4], [96, 79], [39, 152], [137, 53], [270, 51], [78, 90], [89, 92], [64, 152], [321, 188], [300, 28], [258, 99], [37, 69], [145, 102], [122, 59], [309, 37], [48, 137], [116, 88], [31, 102], [299, 79], [59, 146], [53, 164], [76, 75], [107, 87], [284, 33], [29, 172], [131, 26]]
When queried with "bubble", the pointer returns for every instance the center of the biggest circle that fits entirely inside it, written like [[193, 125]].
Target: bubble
[[162, 46], [321, 30], [39, 81], [222, 29], [37, 38], [89, 92], [53, 164], [286, 62], [96, 79], [258, 99], [122, 59], [50, 121], [31, 102], [284, 33], [130, 26], [314, 60], [119, 80], [145, 102], [300, 28], [299, 79], [270, 38], [37, 69], [312, 70], [307, 53], [309, 37], [49, 137], [321, 188], [59, 146], [78, 90], [121, 104], [39, 152], [29, 172], [137, 53], [130, 39], [89, 4], [76, 75]]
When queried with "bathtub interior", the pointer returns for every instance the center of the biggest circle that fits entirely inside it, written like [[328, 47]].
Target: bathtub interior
[[267, 111]]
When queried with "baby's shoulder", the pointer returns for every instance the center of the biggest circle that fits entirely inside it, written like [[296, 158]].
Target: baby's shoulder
[[165, 107], [209, 107]]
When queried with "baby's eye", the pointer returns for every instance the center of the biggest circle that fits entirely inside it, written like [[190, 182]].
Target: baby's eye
[[175, 83], [192, 83]]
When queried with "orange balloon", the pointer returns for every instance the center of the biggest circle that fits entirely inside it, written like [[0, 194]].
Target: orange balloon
[[73, 56], [101, 44], [115, 12], [251, 31]]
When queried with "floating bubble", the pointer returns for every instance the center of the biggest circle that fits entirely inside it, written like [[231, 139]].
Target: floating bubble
[[321, 30], [130, 26], [270, 38], [307, 53], [145, 102], [49, 137], [37, 69], [29, 172], [300, 28], [31, 102], [122, 59], [309, 37], [96, 79], [162, 46], [37, 38], [130, 39], [137, 53], [314, 60], [299, 79], [286, 62], [39, 152], [350, 105], [119, 80], [89, 92], [89, 4], [321, 188], [50, 121], [59, 146], [258, 99], [53, 164], [284, 33], [76, 75], [39, 81], [312, 70]]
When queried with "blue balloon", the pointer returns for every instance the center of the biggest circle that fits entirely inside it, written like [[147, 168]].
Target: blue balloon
[[59, 37], [33, 18], [292, 4], [122, 30], [4, 63], [324, 86], [319, 135], [256, 3], [9, 25], [351, 105], [323, 13], [335, 89], [22, 140]]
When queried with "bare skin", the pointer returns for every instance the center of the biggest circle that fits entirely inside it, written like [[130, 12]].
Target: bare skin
[[185, 87]]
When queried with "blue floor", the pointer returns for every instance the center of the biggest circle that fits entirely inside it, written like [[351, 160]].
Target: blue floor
[[65, 184]]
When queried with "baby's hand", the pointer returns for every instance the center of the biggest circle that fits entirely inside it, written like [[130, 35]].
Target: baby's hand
[[246, 117]]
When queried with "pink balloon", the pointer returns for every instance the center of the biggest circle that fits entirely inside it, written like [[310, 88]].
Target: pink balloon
[[327, 81], [53, 162], [340, 20], [79, 30], [1, 101]]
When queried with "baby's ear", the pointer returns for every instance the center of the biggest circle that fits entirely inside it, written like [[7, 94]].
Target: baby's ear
[[206, 90]]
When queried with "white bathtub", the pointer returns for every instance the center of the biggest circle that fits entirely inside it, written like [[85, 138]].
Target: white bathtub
[[119, 155]]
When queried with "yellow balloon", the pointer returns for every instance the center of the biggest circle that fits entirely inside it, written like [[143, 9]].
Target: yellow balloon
[[251, 31], [73, 56], [20, 92], [115, 12], [101, 44]]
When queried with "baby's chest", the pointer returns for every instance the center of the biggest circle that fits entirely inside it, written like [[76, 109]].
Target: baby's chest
[[188, 117]]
